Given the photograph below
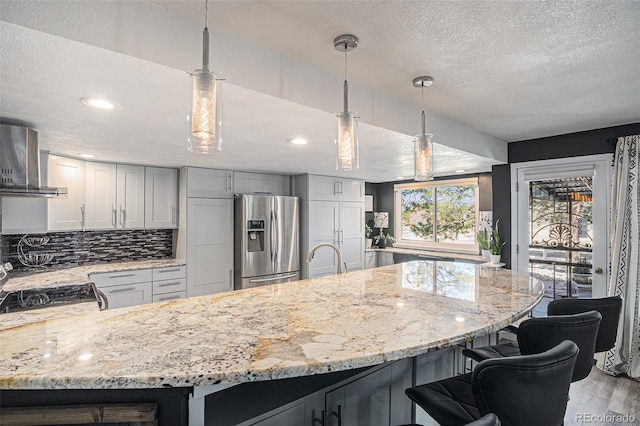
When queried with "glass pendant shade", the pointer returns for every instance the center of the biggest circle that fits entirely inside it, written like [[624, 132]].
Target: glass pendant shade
[[206, 113], [347, 141], [423, 157]]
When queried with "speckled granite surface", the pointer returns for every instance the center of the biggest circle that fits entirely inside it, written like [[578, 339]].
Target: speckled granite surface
[[307, 327], [77, 275]]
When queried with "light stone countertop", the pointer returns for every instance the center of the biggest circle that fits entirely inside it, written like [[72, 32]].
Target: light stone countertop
[[307, 327], [429, 253], [77, 275]]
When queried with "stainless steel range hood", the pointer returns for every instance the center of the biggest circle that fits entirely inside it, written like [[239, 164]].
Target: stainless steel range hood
[[20, 164]]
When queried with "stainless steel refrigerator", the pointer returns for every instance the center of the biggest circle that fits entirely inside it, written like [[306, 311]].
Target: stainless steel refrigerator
[[266, 240]]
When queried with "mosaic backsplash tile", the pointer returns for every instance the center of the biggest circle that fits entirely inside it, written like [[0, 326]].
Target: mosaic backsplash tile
[[68, 249]]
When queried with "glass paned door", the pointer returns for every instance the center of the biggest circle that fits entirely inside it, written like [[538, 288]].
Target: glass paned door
[[561, 236], [560, 227]]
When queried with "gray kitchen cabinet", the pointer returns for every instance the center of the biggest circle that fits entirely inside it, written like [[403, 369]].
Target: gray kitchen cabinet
[[209, 183], [261, 183], [332, 211], [385, 258], [370, 259], [130, 196], [169, 283], [126, 288], [292, 416], [335, 189], [160, 198], [209, 245], [67, 212], [100, 189]]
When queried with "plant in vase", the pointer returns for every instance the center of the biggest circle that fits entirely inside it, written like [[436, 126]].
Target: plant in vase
[[496, 244], [367, 234], [483, 241], [383, 240]]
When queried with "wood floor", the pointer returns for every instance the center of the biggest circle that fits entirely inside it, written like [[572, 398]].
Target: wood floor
[[601, 399]]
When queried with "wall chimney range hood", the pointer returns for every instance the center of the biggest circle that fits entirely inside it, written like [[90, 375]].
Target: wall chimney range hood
[[20, 164]]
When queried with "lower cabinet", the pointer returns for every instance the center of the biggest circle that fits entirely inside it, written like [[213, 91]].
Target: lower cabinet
[[374, 397], [138, 287]]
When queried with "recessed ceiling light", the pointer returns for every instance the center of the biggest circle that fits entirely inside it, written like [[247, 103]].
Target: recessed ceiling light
[[87, 156], [299, 141], [99, 103], [460, 171]]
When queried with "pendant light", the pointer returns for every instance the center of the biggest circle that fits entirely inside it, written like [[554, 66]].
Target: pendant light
[[205, 135], [423, 144], [347, 140]]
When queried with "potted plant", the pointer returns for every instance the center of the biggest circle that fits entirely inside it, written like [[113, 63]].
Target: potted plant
[[383, 239], [496, 244], [483, 240], [367, 234]]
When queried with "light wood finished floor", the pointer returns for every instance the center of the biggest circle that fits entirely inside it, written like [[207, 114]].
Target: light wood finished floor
[[601, 399]]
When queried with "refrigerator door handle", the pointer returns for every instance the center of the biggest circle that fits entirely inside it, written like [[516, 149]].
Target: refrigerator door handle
[[276, 255], [272, 240], [281, 277]]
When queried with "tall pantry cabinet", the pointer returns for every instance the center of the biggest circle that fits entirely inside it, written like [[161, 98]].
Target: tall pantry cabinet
[[332, 211], [205, 237]]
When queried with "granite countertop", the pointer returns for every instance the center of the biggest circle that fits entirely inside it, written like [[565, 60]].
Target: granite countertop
[[78, 275], [307, 327]]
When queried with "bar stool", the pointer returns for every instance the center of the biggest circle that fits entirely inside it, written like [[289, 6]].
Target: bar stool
[[520, 390], [536, 335], [609, 308]]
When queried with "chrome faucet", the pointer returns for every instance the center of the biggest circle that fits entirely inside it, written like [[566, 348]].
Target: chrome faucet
[[336, 249]]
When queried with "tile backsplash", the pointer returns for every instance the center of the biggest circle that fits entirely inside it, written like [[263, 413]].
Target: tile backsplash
[[67, 249]]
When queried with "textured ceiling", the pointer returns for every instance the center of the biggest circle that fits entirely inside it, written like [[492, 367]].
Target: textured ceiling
[[504, 71]]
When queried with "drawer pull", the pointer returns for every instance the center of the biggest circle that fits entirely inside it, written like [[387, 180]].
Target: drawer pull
[[121, 290], [171, 284], [173, 296], [122, 275], [162, 271]]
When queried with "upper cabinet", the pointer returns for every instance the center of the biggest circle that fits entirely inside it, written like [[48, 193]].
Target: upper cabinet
[[115, 197], [261, 183], [67, 212], [161, 198], [101, 210], [335, 189], [130, 196], [209, 183], [103, 196]]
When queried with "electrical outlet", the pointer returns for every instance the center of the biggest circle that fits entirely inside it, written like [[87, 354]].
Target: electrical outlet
[[7, 266]]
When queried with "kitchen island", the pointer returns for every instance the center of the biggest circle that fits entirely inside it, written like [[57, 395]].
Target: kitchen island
[[310, 327]]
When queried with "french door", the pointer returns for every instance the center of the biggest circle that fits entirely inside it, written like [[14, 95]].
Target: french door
[[560, 227]]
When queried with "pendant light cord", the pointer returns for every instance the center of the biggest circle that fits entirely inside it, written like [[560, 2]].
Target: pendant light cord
[[205, 38], [424, 131], [346, 85], [206, 13]]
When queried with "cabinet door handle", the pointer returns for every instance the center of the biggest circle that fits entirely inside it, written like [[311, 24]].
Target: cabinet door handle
[[173, 216], [121, 290], [341, 187], [171, 297], [164, 271], [114, 216], [122, 219], [338, 415], [230, 279], [122, 275], [82, 216], [171, 284], [336, 190], [319, 420], [228, 183]]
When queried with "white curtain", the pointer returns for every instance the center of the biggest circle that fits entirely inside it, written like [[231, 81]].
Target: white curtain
[[624, 358]]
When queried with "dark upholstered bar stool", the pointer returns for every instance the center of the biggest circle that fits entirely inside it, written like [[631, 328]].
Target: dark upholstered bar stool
[[536, 335], [609, 308], [520, 390]]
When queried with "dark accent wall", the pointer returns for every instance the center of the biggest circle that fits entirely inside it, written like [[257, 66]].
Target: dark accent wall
[[600, 141], [501, 190], [70, 249]]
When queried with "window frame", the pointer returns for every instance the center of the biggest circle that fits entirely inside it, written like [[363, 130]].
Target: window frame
[[433, 245]]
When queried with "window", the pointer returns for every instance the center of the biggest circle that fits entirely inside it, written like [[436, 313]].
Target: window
[[437, 215]]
